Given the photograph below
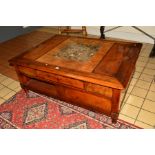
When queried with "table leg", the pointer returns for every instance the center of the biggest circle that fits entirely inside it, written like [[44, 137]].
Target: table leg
[[115, 105], [102, 32], [22, 79]]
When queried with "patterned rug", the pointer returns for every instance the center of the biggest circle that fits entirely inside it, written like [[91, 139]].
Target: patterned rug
[[34, 111]]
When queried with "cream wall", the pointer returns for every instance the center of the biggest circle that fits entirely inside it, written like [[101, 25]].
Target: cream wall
[[125, 32]]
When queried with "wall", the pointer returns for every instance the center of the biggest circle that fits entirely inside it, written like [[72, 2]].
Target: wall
[[125, 32], [8, 32], [129, 33]]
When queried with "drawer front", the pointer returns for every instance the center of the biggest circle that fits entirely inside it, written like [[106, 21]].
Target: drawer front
[[85, 99], [97, 89], [43, 88], [44, 76]]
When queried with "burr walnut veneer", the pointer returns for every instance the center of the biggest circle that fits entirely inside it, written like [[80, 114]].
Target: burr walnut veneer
[[83, 71]]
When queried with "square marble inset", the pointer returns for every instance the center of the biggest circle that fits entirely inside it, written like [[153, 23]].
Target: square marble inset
[[77, 51]]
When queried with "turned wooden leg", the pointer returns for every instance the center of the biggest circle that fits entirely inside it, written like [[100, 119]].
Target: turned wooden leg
[[115, 104], [102, 32]]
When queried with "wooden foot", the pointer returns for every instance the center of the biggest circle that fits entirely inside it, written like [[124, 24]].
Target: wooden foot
[[24, 88], [114, 117], [115, 105]]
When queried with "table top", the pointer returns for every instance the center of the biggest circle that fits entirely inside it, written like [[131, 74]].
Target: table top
[[104, 62]]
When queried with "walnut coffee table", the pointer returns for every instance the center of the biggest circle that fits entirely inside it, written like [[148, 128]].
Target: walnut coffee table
[[87, 72]]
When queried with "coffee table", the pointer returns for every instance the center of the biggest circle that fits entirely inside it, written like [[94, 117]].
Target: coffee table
[[87, 72]]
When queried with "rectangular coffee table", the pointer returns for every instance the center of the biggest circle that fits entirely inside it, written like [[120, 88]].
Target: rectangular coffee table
[[87, 72]]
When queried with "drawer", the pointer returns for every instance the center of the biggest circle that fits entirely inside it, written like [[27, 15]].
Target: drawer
[[60, 79], [42, 87], [97, 89], [44, 76], [86, 100]]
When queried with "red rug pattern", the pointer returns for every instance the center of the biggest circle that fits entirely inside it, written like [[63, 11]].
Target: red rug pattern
[[34, 111]]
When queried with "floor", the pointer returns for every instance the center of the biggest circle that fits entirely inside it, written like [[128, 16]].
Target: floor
[[11, 48], [139, 104]]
